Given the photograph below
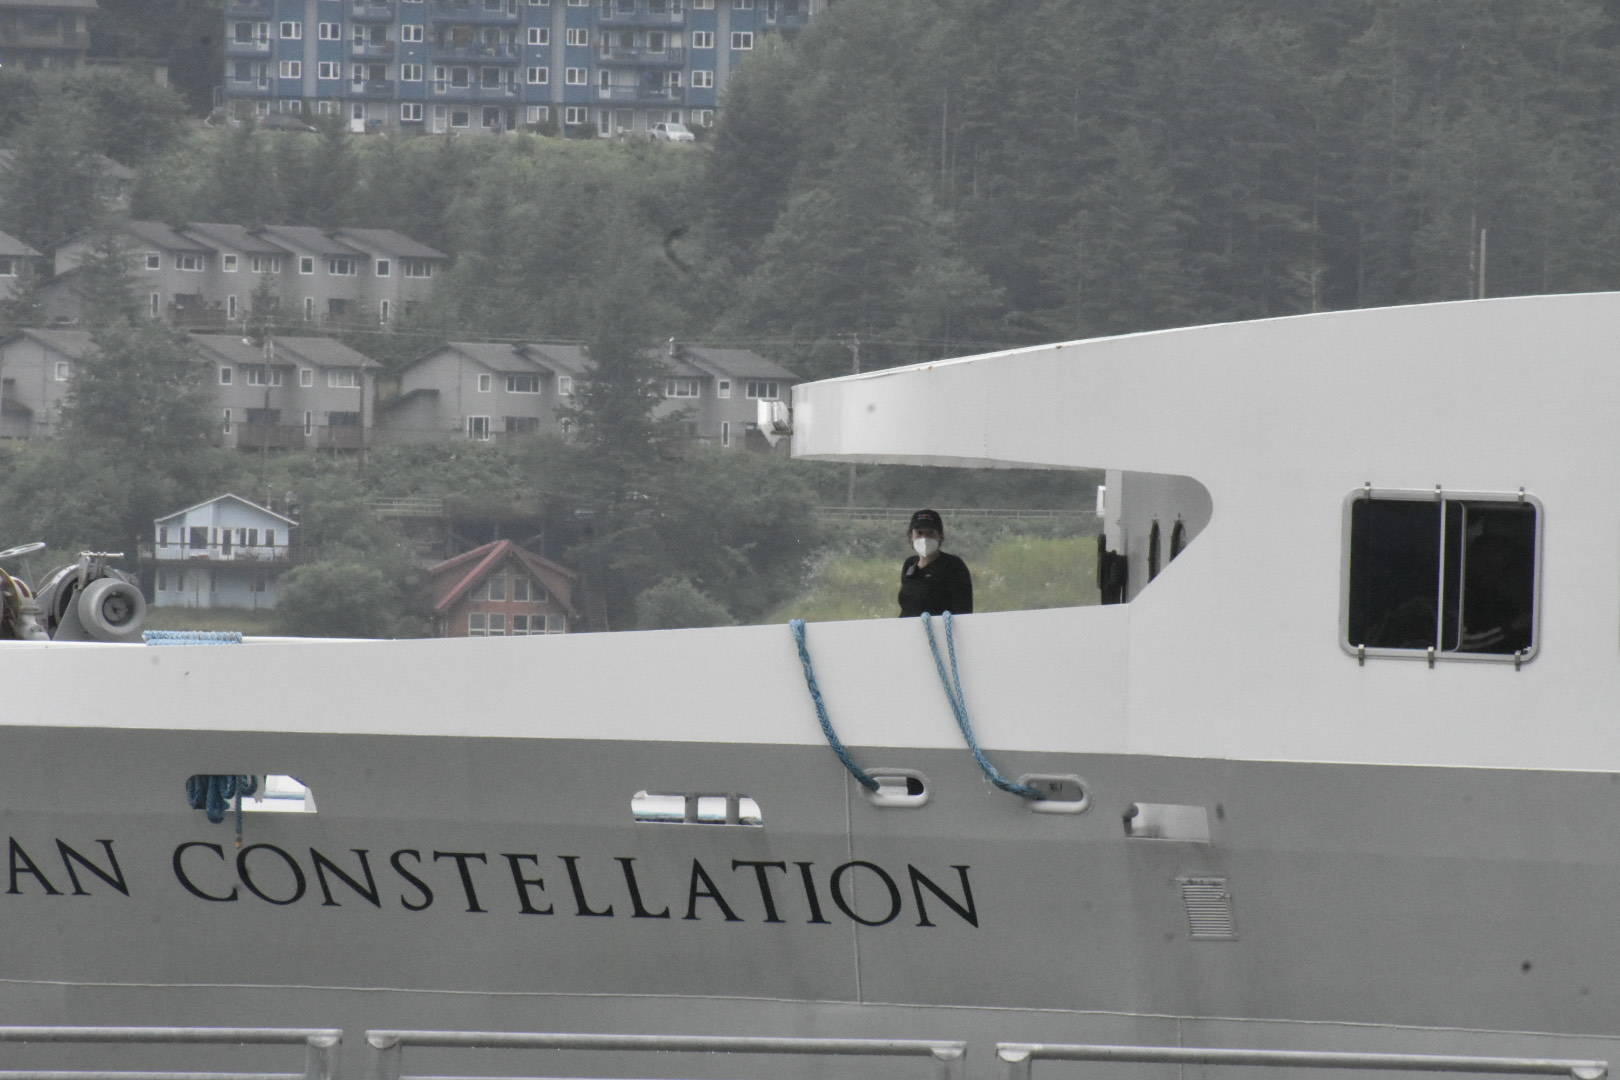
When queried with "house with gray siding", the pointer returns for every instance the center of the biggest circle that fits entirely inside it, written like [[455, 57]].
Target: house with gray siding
[[224, 552], [290, 393], [36, 369], [18, 261], [729, 385]]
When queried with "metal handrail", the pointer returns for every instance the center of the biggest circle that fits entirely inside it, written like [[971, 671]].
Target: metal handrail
[[1017, 1060], [387, 1047], [320, 1046]]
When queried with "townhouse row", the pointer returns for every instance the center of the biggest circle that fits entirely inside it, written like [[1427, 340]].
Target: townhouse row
[[315, 393], [603, 66]]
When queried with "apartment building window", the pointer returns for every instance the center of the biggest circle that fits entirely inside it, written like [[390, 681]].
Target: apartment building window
[[292, 31], [61, 370], [329, 69], [576, 114], [265, 264], [703, 117], [742, 5], [579, 35], [672, 81], [702, 5], [417, 268], [539, 114], [306, 377], [579, 3], [306, 264], [486, 383], [722, 388], [702, 80], [330, 31], [681, 388], [489, 78], [742, 39], [340, 266], [410, 112], [763, 389], [383, 268], [227, 263], [703, 39], [575, 77], [292, 69], [539, 76], [478, 428], [411, 73], [343, 379], [523, 384], [539, 35], [154, 261], [565, 386], [460, 118], [410, 32]]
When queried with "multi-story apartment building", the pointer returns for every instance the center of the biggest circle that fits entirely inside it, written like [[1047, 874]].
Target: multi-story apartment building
[[603, 66], [202, 275], [39, 34]]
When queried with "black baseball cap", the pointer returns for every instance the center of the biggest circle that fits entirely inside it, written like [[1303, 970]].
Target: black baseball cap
[[927, 519]]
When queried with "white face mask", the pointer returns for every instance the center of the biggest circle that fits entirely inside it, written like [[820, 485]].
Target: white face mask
[[925, 546]]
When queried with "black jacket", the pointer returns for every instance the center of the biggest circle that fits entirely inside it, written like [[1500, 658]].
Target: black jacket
[[943, 585]]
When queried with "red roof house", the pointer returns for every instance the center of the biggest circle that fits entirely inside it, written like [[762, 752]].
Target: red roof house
[[501, 589]]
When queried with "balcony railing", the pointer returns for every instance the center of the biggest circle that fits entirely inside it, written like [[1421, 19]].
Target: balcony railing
[[252, 435], [27, 38], [251, 47], [474, 93], [372, 88], [638, 95], [341, 438], [247, 87], [248, 7], [371, 48], [371, 10], [501, 53], [473, 11], [617, 16], [641, 56]]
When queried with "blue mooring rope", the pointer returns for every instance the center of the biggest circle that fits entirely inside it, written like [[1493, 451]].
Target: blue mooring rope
[[860, 774], [214, 794], [952, 685], [192, 637]]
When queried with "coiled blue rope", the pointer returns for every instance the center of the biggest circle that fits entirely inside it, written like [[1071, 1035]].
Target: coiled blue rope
[[192, 637], [860, 774], [214, 794], [952, 685]]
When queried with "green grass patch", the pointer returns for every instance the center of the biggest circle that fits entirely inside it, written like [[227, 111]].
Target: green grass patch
[[251, 622]]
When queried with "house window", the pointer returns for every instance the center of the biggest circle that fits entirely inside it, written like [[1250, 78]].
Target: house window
[[703, 39], [520, 588], [269, 538], [725, 433], [306, 376], [520, 625], [460, 118], [262, 375], [309, 309], [60, 370], [681, 388], [265, 264], [497, 624], [417, 268], [227, 430], [486, 383], [495, 587], [292, 31], [556, 624], [411, 73], [565, 385], [163, 530], [538, 76], [722, 388], [1441, 576], [309, 422], [410, 32], [343, 379], [292, 69], [477, 624], [742, 39], [702, 80], [230, 308], [330, 31], [154, 261], [383, 268], [225, 376], [523, 384], [764, 389], [575, 77], [539, 35], [703, 117], [383, 310], [306, 264], [411, 112], [340, 266], [478, 428], [329, 69], [155, 301], [8, 266], [227, 263]]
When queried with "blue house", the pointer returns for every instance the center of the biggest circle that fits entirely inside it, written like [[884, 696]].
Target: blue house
[[226, 552]]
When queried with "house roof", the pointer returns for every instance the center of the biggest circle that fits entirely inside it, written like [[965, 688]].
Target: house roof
[[561, 359], [389, 242], [217, 498], [10, 245], [742, 363], [493, 355], [234, 349], [72, 343], [320, 352], [305, 238], [235, 237], [50, 5], [453, 577], [161, 236]]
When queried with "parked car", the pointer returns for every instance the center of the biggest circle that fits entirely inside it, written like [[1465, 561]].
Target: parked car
[[672, 132]]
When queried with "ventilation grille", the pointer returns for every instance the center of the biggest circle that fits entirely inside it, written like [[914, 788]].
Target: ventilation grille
[[1208, 901]]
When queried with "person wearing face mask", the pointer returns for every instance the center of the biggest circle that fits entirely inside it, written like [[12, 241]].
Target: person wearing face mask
[[933, 580]]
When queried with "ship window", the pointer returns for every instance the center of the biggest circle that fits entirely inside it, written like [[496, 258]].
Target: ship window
[[1441, 575], [695, 809], [1153, 551]]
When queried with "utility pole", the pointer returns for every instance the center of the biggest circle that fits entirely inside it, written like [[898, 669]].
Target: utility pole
[[854, 346]]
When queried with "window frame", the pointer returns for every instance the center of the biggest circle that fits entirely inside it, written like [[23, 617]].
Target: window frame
[[1439, 497], [742, 41], [513, 379]]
